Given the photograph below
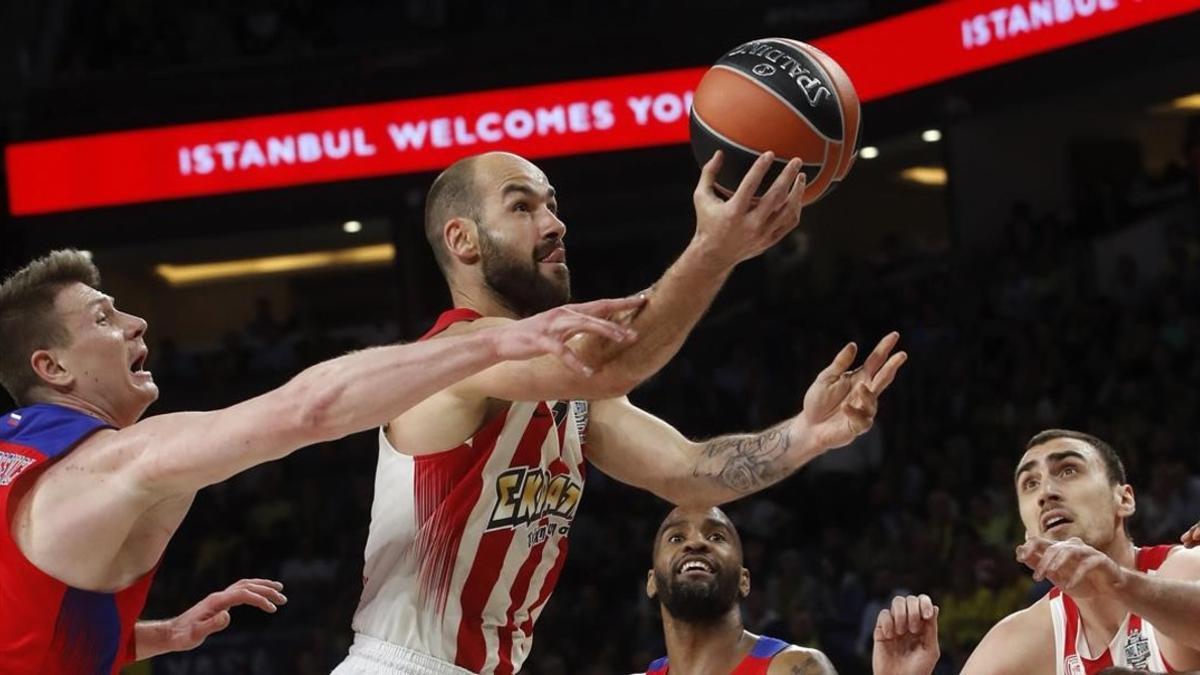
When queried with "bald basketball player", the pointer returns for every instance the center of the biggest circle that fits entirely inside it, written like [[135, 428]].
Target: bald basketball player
[[477, 486], [698, 580], [1113, 603], [91, 495]]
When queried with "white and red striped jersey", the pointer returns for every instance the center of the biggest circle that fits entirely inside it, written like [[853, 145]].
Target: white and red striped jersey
[[1134, 646], [466, 545]]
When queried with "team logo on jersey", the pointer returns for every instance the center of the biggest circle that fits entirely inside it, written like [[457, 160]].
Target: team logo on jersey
[[1137, 651], [528, 493], [1075, 665], [11, 466]]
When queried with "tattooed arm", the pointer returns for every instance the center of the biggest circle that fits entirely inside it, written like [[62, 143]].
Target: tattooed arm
[[801, 661], [636, 447]]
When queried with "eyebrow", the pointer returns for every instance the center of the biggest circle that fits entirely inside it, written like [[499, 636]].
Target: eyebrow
[[100, 300], [526, 190], [1052, 457]]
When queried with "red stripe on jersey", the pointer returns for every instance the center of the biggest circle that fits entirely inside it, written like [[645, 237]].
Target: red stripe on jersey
[[489, 560], [447, 486], [516, 597], [1150, 558]]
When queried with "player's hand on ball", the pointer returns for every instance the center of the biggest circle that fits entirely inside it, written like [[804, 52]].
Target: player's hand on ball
[[741, 227], [551, 331], [906, 641], [841, 403]]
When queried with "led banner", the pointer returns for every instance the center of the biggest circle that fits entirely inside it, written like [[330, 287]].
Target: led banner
[[615, 113]]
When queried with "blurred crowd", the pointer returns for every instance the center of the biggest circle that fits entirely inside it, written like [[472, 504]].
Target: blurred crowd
[[1060, 325]]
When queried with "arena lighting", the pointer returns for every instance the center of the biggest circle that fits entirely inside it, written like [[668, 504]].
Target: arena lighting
[[195, 273], [869, 152], [351, 227], [925, 175], [931, 135], [939, 42], [1191, 102]]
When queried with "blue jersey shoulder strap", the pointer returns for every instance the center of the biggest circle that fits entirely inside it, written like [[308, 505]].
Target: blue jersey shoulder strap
[[767, 647], [50, 429]]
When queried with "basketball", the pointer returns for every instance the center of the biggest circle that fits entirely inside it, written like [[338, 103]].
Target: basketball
[[780, 95]]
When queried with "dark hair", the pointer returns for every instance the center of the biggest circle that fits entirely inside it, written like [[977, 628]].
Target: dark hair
[[452, 195], [1112, 463], [28, 321]]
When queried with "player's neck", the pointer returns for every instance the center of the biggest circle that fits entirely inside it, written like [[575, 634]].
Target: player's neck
[[86, 407], [706, 648], [480, 299]]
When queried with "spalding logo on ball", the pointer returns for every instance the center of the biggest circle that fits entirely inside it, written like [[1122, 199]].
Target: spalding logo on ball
[[780, 95]]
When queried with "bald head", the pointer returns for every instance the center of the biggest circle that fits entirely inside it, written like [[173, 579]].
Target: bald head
[[458, 192], [452, 195]]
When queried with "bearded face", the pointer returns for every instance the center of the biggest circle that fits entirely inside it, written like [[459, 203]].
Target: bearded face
[[527, 282]]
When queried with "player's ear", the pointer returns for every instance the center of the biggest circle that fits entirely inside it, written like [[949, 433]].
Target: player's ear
[[744, 583], [651, 586], [1126, 503]]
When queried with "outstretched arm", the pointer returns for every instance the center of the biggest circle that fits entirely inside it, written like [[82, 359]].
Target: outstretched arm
[[727, 232], [210, 615], [1169, 599], [183, 452], [636, 447]]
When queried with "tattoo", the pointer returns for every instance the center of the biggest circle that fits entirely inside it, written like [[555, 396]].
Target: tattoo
[[745, 463], [816, 664]]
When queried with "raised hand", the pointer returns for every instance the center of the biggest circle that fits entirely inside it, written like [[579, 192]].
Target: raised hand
[[743, 226], [1191, 538], [550, 331], [1078, 569], [906, 641], [211, 615], [841, 403]]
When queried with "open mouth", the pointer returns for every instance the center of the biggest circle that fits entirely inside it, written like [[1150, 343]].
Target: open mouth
[[1054, 519], [696, 567], [138, 367], [556, 255]]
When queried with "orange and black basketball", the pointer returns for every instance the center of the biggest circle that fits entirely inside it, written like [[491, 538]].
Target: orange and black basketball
[[780, 95]]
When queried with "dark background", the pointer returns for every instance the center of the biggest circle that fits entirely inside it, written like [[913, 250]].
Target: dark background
[[1050, 282]]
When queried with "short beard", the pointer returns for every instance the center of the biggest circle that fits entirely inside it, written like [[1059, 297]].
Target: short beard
[[520, 286], [698, 603]]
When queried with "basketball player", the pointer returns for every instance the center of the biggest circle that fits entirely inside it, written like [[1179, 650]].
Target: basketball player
[[91, 496], [477, 486], [1113, 603], [698, 579]]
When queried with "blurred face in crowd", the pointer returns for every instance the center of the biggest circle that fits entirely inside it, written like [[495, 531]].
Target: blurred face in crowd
[[103, 362], [698, 575], [1064, 490], [522, 255]]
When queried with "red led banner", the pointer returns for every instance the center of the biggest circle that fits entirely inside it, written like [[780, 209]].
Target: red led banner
[[614, 113]]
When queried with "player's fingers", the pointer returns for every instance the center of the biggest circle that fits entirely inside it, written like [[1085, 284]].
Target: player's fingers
[[213, 624], [245, 596], [1191, 537], [840, 363], [269, 593], [277, 585], [743, 198], [575, 323], [879, 355], [914, 614], [608, 306], [571, 360], [883, 379], [777, 194], [926, 606], [883, 626], [899, 615], [1050, 564], [708, 175]]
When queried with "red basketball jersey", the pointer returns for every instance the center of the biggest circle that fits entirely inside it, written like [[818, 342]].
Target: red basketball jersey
[[46, 626], [756, 662]]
